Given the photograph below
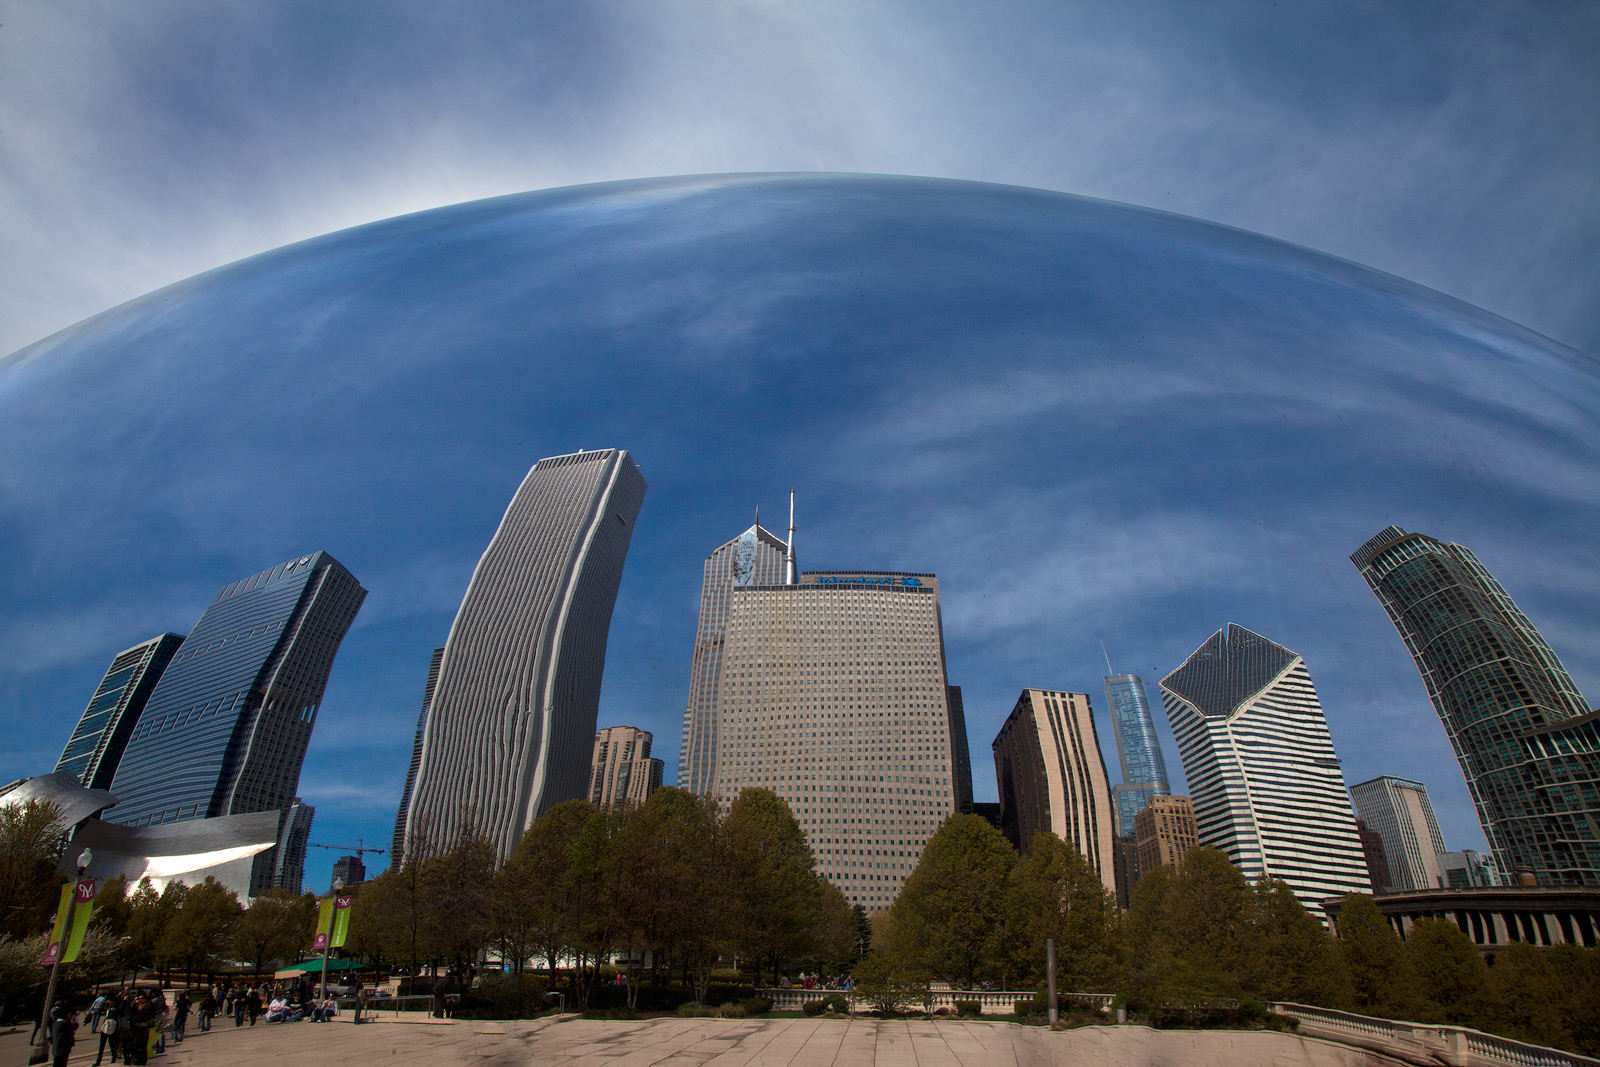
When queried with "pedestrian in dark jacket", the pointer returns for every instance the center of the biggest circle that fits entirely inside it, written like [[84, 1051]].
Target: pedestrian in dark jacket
[[109, 1028], [63, 1035]]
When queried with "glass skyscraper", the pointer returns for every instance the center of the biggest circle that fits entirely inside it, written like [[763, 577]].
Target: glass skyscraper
[[510, 728], [1144, 768], [1527, 741], [226, 730], [96, 745]]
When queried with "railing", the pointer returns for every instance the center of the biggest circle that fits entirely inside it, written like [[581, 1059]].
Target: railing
[[1427, 1043], [396, 1006], [990, 1001]]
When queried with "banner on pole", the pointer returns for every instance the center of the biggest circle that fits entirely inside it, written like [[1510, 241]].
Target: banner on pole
[[324, 914], [83, 910], [341, 920]]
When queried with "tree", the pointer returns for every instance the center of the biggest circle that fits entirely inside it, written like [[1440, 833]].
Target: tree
[[1381, 978], [1526, 1000], [455, 899], [773, 894], [1292, 957], [889, 982], [111, 906], [30, 885], [149, 913], [1575, 973], [1054, 893], [276, 926], [541, 889], [1453, 973], [834, 939], [203, 927], [1147, 941], [948, 916]]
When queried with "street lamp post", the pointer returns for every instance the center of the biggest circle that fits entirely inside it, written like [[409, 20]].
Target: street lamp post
[[41, 1051], [327, 935]]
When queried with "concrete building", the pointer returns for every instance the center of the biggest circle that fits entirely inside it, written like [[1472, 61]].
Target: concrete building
[[1469, 869], [1541, 916], [289, 858], [1263, 775], [755, 557], [1377, 859], [833, 694], [1527, 741], [511, 724], [621, 770], [348, 871], [1139, 755], [1164, 830], [397, 848], [1400, 811], [95, 748], [1052, 777]]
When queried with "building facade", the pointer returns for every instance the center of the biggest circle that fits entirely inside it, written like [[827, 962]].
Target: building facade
[[348, 871], [1469, 869], [833, 695], [621, 770], [1377, 859], [755, 557], [1165, 830], [97, 742], [961, 757], [1524, 736], [1263, 775], [511, 724], [226, 729], [397, 848], [1139, 756], [1540, 916], [1052, 778], [288, 859], [1400, 811]]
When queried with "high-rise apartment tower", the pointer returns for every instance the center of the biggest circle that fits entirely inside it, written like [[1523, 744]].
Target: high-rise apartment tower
[[1144, 767], [1052, 778], [511, 724], [397, 849], [1263, 775], [833, 695], [622, 772], [1165, 831], [1527, 741], [95, 747], [1399, 810], [226, 729]]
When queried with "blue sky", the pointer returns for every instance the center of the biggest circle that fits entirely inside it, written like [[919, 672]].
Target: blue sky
[[1453, 148]]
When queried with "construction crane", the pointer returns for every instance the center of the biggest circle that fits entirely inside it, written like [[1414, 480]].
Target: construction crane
[[357, 851]]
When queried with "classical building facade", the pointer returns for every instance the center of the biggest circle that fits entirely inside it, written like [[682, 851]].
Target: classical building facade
[[511, 724], [226, 729], [622, 772], [1164, 830], [1541, 916], [1139, 755], [833, 694], [1052, 778], [1263, 775], [1525, 738], [755, 557], [97, 742], [1401, 813]]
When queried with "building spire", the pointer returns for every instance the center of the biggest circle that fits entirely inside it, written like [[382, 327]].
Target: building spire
[[789, 575], [1107, 655], [758, 515]]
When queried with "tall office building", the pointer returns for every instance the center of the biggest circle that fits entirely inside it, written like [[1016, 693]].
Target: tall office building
[[511, 724], [1052, 778], [755, 557], [226, 729], [288, 859], [1263, 776], [96, 745], [397, 848], [961, 758], [1399, 810], [1469, 869], [1165, 830], [1144, 767], [622, 772], [833, 695], [1527, 741], [348, 871], [1377, 861]]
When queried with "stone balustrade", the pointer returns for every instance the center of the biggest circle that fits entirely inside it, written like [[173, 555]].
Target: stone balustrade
[[1427, 1043], [990, 1001]]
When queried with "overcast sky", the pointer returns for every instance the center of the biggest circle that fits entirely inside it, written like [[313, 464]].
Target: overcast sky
[[1454, 145]]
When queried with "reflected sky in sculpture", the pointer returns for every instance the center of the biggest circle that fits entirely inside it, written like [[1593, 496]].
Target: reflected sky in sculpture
[[1094, 422]]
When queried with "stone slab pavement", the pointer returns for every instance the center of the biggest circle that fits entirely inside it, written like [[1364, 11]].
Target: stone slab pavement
[[573, 1042]]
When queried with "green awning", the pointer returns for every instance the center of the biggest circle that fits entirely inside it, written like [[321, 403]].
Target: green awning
[[315, 967]]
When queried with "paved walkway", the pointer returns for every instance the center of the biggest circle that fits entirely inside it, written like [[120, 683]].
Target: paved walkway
[[574, 1042]]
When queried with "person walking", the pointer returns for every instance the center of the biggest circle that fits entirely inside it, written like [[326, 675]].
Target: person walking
[[205, 1011], [252, 1005], [357, 991], [63, 1035], [109, 1028], [136, 1034], [180, 1016]]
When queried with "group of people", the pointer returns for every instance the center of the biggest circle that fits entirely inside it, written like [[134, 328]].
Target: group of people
[[813, 980]]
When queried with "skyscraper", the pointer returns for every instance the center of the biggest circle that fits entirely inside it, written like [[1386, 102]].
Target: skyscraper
[[1052, 777], [755, 557], [511, 725], [397, 848], [1399, 811], [348, 871], [961, 758], [96, 745], [289, 857], [833, 695], [1526, 739], [1144, 767], [622, 773], [1165, 831], [225, 731], [1263, 775]]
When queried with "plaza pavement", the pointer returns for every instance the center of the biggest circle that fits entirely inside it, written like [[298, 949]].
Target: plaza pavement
[[672, 1042]]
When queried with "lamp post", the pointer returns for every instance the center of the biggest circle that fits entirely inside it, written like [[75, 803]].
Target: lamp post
[[41, 1051], [327, 934]]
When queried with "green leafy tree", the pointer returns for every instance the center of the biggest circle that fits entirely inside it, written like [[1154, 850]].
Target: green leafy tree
[[1381, 978], [202, 928], [455, 901], [542, 888], [1575, 975], [1292, 956], [1526, 1000], [774, 895], [1054, 893], [948, 917], [834, 940], [891, 983], [30, 885], [276, 926], [111, 907], [1454, 978]]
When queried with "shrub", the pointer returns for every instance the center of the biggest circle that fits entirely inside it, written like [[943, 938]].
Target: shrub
[[814, 1007], [731, 1011], [505, 996], [969, 1007], [888, 982], [1038, 1004], [756, 1005]]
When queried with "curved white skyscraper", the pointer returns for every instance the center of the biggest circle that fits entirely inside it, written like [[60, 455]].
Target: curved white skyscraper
[[510, 728], [1266, 784]]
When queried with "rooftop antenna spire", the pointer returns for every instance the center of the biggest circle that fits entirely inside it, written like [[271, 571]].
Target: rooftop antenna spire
[[1107, 655], [789, 575], [758, 514]]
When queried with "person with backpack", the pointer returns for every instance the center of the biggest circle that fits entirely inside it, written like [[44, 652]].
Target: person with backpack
[[107, 1026]]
